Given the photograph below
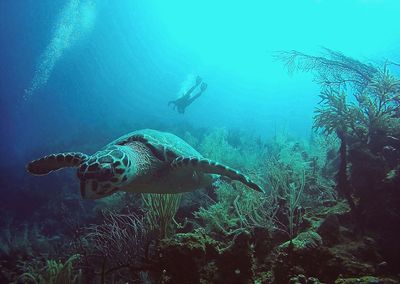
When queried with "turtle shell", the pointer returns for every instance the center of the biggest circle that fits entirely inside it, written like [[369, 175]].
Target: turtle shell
[[165, 146]]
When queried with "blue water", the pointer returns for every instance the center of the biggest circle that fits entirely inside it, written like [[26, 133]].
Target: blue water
[[77, 74]]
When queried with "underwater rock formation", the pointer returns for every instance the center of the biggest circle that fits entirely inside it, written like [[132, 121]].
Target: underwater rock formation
[[360, 103], [196, 258], [298, 232]]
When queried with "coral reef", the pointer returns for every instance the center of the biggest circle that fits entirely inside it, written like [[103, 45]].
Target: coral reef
[[360, 103], [329, 213]]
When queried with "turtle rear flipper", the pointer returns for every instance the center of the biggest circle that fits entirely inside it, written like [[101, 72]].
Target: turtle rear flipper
[[212, 167], [54, 162]]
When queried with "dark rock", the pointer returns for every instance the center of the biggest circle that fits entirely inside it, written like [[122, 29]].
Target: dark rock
[[293, 280], [329, 229], [312, 280], [196, 258], [369, 241], [382, 267], [302, 242], [348, 260], [364, 280], [300, 256], [262, 244], [302, 279], [234, 263], [329, 203], [184, 257]]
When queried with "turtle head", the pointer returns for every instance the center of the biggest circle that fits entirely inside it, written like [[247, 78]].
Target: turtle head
[[104, 173]]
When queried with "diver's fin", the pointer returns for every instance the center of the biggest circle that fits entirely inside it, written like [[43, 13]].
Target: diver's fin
[[54, 162], [212, 167]]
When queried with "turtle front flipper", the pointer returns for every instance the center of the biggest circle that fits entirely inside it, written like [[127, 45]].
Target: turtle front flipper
[[54, 162], [212, 167]]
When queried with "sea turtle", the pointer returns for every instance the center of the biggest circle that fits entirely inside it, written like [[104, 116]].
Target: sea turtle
[[145, 161]]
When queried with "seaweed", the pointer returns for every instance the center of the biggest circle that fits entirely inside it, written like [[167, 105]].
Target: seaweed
[[121, 243], [52, 272]]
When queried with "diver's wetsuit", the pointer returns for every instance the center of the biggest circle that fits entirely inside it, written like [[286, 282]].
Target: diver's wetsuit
[[181, 103]]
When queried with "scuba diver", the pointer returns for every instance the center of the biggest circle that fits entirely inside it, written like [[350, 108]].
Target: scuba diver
[[186, 99]]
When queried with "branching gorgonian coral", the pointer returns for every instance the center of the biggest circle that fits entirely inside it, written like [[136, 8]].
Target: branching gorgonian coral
[[332, 68], [122, 241], [360, 103]]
